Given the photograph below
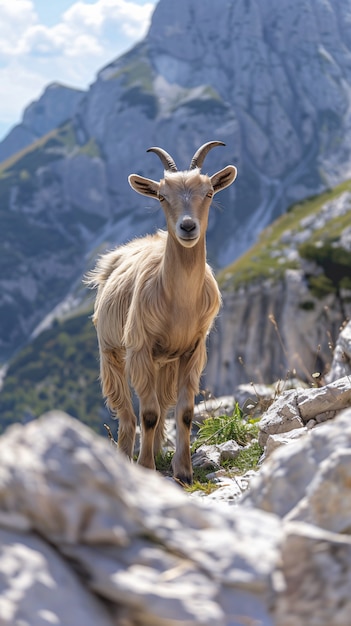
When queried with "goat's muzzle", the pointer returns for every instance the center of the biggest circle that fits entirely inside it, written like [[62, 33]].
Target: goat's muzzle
[[188, 230]]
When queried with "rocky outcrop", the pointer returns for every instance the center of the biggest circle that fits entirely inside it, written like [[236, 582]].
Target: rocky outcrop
[[125, 546], [341, 363], [301, 408], [265, 333], [309, 479]]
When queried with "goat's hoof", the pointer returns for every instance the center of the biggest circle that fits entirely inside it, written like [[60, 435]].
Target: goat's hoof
[[183, 479]]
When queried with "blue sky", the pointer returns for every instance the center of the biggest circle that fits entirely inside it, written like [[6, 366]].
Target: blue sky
[[67, 41]]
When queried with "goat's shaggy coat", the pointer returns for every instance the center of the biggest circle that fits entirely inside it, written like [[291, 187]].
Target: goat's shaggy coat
[[156, 301]]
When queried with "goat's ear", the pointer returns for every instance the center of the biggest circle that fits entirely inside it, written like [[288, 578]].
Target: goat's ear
[[224, 178], [145, 186]]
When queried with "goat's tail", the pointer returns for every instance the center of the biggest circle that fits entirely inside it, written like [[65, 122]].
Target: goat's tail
[[103, 269], [93, 279]]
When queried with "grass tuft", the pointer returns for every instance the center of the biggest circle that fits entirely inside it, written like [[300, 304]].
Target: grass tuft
[[219, 429]]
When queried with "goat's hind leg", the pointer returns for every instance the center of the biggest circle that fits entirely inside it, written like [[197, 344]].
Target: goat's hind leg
[[143, 375], [115, 389]]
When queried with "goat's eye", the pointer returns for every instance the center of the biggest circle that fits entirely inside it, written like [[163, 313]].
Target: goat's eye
[[160, 197], [209, 194]]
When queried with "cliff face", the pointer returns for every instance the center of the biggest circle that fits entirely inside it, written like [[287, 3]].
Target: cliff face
[[264, 334], [286, 299], [270, 78]]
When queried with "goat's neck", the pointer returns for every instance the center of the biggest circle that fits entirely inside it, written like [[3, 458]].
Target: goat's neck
[[184, 268]]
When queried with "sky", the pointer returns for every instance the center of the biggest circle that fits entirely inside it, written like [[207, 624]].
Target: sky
[[66, 41]]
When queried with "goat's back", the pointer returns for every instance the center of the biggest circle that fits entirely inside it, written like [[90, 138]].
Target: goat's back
[[116, 277]]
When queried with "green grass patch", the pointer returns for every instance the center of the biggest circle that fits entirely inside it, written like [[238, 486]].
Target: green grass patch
[[163, 462], [246, 460], [206, 487], [219, 429]]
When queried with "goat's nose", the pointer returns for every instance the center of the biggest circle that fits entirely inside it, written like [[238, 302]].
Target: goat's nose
[[187, 224]]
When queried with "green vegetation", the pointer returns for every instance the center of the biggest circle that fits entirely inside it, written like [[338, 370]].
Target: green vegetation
[[218, 429], [57, 370], [163, 462], [136, 73], [266, 260], [246, 460], [90, 149], [20, 169], [333, 260], [203, 484], [222, 428]]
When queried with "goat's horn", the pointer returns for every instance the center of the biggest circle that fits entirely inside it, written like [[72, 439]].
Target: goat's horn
[[166, 158], [200, 154]]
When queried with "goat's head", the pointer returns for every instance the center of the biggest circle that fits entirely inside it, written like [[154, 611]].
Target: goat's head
[[185, 196]]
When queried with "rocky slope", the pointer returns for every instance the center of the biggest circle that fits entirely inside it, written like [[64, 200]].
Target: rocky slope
[[285, 300], [271, 79]]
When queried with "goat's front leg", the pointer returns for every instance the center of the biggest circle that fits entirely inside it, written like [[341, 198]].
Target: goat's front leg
[[184, 412], [190, 370], [143, 375]]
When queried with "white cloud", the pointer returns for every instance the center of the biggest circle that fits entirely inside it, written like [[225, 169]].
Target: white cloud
[[71, 51], [15, 20]]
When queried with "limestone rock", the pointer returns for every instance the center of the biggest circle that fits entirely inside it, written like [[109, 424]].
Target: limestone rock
[[316, 572], [309, 480], [89, 538], [323, 403], [283, 415], [327, 502], [294, 409], [38, 587], [136, 541], [276, 440], [341, 364], [213, 455]]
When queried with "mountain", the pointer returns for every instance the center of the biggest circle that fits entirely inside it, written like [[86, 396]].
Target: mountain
[[55, 106], [270, 78]]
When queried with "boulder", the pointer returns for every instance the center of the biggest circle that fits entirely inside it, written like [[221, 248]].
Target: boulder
[[134, 542], [310, 480], [299, 407], [282, 416]]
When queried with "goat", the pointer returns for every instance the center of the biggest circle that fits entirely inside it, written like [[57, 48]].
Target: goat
[[155, 304]]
